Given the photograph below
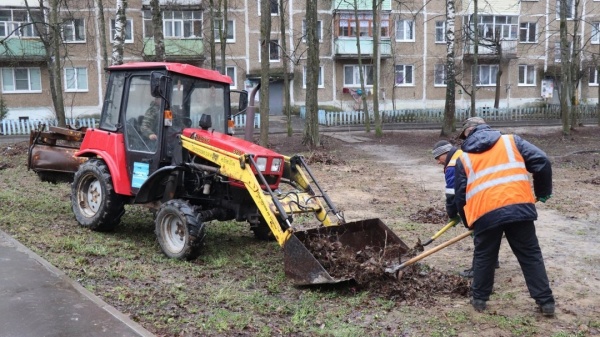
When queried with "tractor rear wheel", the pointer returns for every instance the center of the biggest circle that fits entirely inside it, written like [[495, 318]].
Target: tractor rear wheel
[[179, 232], [95, 203]]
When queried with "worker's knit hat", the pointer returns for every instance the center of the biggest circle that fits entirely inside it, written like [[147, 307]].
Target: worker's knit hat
[[469, 124], [441, 147]]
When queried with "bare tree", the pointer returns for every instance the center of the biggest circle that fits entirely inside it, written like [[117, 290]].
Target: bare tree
[[265, 46], [50, 36], [450, 104], [287, 109], [102, 24], [311, 130], [376, 66]]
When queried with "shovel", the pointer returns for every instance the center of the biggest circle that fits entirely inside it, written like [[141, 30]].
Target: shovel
[[453, 222], [394, 269]]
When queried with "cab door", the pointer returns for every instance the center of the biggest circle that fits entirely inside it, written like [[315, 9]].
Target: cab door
[[142, 119]]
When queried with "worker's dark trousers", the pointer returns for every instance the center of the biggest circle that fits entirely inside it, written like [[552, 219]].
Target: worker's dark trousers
[[524, 243]]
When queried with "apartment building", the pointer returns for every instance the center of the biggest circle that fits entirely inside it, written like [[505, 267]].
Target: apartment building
[[517, 39]]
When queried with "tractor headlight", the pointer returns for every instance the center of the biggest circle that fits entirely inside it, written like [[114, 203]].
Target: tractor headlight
[[261, 163], [276, 165]]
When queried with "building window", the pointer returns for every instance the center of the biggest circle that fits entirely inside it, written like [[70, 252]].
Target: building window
[[231, 72], [404, 75], [273, 51], [595, 32], [439, 74], [319, 30], [486, 75], [558, 51], [17, 80], [440, 31], [128, 30], [501, 26], [176, 24], [76, 79], [405, 30], [593, 77], [320, 82], [274, 7], [528, 32], [570, 6], [219, 28], [20, 22], [347, 26], [352, 75], [73, 30], [526, 75]]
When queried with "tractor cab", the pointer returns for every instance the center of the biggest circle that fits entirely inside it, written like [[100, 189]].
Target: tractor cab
[[151, 106]]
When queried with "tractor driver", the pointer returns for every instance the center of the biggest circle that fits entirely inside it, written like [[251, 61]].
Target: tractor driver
[[151, 117]]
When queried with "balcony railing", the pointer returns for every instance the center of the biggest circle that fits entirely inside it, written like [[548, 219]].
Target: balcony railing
[[487, 51], [177, 49], [22, 49], [345, 47]]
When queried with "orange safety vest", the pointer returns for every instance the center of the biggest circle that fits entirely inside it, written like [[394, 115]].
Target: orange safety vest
[[495, 178]]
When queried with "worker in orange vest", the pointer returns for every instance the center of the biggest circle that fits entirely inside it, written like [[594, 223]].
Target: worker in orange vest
[[494, 198]]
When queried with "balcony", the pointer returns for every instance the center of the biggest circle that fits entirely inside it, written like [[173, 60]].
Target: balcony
[[345, 48], [22, 50], [344, 5], [487, 52], [177, 49]]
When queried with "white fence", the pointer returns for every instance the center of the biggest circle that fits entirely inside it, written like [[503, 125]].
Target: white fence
[[338, 118], [24, 127]]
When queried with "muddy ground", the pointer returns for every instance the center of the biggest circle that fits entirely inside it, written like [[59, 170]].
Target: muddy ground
[[394, 178]]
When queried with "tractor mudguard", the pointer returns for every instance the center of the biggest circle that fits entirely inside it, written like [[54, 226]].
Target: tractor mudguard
[[153, 188]]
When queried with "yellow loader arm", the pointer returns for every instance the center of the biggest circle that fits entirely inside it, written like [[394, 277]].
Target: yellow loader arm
[[239, 167]]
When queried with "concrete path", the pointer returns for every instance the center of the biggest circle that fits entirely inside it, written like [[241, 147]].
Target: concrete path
[[36, 299]]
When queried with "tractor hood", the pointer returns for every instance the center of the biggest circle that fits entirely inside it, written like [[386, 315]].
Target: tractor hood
[[229, 143]]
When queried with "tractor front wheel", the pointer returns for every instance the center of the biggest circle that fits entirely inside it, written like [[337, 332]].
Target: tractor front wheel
[[178, 230], [95, 203]]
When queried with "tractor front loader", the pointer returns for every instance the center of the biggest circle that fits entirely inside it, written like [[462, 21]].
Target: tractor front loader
[[193, 171]]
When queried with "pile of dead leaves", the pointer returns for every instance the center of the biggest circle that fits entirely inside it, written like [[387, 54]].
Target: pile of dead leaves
[[415, 284], [323, 158], [430, 215]]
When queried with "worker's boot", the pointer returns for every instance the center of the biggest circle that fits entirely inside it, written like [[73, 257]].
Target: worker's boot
[[547, 309], [478, 305], [467, 273]]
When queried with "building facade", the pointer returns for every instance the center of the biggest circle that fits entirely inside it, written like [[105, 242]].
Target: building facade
[[518, 56]]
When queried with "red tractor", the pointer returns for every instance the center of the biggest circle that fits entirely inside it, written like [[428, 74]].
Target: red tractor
[[165, 139]]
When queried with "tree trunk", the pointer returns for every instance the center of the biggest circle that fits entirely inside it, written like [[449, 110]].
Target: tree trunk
[[564, 81], [265, 34], [102, 26], [450, 105], [157, 23], [287, 111], [224, 11], [363, 94], [311, 130], [474, 69], [376, 67], [119, 38]]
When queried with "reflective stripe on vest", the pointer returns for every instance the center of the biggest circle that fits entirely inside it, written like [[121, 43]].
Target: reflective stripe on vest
[[495, 178]]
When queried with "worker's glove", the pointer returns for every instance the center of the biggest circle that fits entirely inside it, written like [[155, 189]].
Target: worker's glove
[[456, 220], [544, 199]]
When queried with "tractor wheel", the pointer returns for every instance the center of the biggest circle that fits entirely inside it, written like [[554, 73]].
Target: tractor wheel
[[93, 198], [262, 231], [179, 232]]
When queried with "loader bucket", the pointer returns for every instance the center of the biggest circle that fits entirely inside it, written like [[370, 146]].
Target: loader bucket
[[314, 256]]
